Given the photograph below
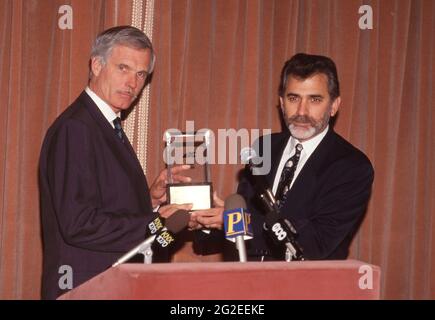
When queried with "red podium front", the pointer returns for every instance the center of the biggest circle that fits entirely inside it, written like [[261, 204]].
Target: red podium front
[[346, 279]]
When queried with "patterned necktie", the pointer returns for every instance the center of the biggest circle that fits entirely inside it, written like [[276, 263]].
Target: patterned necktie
[[287, 176], [118, 129]]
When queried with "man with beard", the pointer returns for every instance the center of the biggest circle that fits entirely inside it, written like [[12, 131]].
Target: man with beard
[[321, 182]]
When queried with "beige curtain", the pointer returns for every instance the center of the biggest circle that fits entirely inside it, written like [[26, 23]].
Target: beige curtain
[[42, 70], [218, 63]]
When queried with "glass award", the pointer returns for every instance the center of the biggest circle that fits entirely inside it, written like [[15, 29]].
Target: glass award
[[183, 148]]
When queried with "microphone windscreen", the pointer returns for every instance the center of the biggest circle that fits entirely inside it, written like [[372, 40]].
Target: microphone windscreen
[[234, 201], [247, 154], [177, 221]]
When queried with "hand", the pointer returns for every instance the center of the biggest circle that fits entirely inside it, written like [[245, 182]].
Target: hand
[[168, 210], [158, 188], [210, 218]]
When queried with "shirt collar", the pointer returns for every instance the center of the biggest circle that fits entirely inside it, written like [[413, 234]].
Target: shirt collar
[[105, 109], [309, 145]]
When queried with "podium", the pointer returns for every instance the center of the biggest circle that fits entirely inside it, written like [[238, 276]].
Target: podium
[[345, 279]]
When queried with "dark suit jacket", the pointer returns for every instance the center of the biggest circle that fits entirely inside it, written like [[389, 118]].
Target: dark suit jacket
[[95, 200], [326, 202]]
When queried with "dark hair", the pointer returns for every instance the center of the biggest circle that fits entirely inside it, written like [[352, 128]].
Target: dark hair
[[121, 35], [303, 66]]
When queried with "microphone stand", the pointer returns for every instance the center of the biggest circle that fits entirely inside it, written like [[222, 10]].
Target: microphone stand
[[142, 248], [241, 248]]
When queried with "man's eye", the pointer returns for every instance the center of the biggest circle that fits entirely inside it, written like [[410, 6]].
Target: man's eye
[[316, 100], [122, 67], [141, 75], [292, 99]]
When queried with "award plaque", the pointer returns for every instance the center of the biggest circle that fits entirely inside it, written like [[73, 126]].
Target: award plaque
[[189, 149]]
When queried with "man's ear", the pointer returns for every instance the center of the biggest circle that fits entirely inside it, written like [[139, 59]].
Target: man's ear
[[281, 103], [335, 106], [96, 65]]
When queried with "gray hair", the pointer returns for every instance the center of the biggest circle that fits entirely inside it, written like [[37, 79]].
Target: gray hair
[[303, 66], [122, 35]]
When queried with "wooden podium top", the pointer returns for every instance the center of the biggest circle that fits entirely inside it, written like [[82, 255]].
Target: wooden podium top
[[345, 279]]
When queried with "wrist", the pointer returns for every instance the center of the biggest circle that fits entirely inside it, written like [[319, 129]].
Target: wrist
[[155, 203]]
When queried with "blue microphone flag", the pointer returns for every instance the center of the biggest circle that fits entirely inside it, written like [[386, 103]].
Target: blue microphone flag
[[237, 222]]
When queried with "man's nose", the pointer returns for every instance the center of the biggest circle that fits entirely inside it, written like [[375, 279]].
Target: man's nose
[[132, 81], [302, 107]]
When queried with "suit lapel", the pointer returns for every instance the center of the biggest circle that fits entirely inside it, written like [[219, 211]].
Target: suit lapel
[[312, 167], [319, 155], [278, 146], [123, 149]]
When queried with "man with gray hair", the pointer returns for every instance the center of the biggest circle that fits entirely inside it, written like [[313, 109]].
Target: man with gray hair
[[95, 200], [321, 182]]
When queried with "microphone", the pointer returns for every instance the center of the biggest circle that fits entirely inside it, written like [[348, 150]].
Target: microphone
[[174, 224], [156, 225], [283, 232], [279, 229], [257, 179], [237, 223]]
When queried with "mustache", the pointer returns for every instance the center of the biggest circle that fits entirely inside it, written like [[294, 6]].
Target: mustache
[[129, 92], [301, 119]]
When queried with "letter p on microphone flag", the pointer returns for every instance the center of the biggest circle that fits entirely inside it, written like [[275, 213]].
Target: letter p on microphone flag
[[237, 222]]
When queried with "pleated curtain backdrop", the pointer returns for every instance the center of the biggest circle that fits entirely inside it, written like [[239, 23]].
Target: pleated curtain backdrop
[[218, 64], [43, 68]]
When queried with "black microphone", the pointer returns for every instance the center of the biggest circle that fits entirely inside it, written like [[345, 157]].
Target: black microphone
[[257, 179], [163, 238], [282, 233], [155, 225], [279, 229]]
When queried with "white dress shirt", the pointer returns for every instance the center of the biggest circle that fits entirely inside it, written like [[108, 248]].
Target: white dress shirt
[[107, 111], [308, 148]]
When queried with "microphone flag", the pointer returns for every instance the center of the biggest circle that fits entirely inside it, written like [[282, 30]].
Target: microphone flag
[[237, 222]]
